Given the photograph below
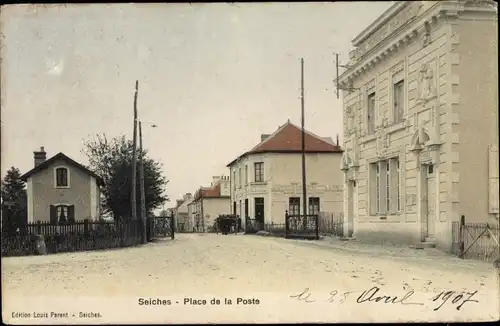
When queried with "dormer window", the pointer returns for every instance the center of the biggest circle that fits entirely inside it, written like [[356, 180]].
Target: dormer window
[[61, 177]]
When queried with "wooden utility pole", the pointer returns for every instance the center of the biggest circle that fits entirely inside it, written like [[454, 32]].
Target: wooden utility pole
[[134, 158], [202, 214], [337, 71], [304, 183], [143, 193]]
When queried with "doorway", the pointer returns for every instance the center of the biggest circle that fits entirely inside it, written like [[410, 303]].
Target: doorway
[[431, 201], [350, 207], [428, 202], [259, 212]]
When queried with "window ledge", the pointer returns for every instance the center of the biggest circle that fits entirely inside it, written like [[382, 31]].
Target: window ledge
[[62, 187], [368, 138], [256, 183], [396, 127]]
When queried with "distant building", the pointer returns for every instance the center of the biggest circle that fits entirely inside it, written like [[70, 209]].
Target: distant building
[[421, 122], [209, 203], [181, 214], [267, 180], [61, 190]]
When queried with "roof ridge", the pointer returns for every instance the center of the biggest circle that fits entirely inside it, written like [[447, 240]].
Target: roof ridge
[[271, 135], [314, 135]]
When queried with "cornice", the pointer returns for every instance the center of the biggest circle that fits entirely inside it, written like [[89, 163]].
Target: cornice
[[380, 21], [406, 33]]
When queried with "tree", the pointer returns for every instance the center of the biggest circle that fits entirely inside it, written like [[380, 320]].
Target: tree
[[111, 159], [14, 200]]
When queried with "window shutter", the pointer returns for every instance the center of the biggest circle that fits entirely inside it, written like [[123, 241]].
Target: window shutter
[[394, 191], [494, 188], [53, 214], [373, 188], [383, 186], [71, 214]]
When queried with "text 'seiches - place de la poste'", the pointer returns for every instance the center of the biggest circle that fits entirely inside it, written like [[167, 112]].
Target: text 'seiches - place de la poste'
[[420, 108]]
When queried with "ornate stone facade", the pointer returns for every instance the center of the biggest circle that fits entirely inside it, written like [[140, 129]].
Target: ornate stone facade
[[405, 177]]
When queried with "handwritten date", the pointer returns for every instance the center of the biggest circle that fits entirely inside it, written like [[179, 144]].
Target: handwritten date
[[458, 297], [374, 295], [306, 296]]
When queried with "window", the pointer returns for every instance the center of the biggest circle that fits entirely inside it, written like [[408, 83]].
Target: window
[[430, 169], [313, 205], [398, 94], [234, 180], [385, 187], [62, 213], [397, 184], [239, 176], [378, 188], [62, 177], [246, 174], [294, 206], [371, 113], [259, 172]]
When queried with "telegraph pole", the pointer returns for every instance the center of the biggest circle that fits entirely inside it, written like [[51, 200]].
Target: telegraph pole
[[143, 193], [337, 68], [304, 184], [202, 214], [134, 158]]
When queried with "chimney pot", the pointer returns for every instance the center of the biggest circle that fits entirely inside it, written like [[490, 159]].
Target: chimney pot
[[39, 156]]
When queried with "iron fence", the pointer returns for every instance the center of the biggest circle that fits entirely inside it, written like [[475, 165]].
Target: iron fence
[[331, 223], [301, 226], [276, 229], [253, 226], [476, 240], [160, 227]]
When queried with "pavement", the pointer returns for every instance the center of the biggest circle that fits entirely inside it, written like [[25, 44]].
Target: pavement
[[276, 270]]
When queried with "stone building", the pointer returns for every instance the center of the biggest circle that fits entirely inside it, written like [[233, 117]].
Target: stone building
[[267, 179], [210, 202], [420, 122]]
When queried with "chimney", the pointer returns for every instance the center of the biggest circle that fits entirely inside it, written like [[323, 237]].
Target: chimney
[[215, 179], [39, 156], [337, 139], [264, 137]]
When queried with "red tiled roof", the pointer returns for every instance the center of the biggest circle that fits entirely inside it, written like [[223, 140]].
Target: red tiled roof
[[209, 192], [288, 138]]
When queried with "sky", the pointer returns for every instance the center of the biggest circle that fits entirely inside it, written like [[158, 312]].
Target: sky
[[212, 77]]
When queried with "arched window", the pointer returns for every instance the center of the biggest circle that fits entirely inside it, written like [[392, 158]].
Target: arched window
[[62, 179]]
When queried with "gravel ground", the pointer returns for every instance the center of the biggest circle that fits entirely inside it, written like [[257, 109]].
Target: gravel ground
[[273, 269]]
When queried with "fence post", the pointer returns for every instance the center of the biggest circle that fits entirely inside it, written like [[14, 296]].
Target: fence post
[[286, 224], [172, 224], [39, 227], [86, 228], [317, 227], [462, 240]]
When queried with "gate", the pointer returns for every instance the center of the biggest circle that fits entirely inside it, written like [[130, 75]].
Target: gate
[[160, 227], [301, 226], [478, 240]]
